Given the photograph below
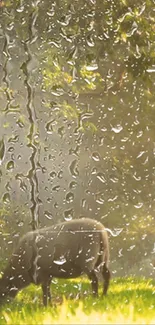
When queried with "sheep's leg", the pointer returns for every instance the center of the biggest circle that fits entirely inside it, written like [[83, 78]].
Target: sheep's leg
[[94, 282], [45, 292], [106, 277], [48, 290]]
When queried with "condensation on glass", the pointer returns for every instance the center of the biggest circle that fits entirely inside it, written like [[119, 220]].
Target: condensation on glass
[[77, 126]]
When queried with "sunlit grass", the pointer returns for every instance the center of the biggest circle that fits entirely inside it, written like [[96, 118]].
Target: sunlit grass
[[129, 301]]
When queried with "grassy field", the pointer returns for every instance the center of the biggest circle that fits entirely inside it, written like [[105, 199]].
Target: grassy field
[[129, 301]]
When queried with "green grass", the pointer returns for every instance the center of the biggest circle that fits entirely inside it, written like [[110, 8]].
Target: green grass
[[129, 301]]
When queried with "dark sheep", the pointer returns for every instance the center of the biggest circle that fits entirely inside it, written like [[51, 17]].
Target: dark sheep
[[66, 250]]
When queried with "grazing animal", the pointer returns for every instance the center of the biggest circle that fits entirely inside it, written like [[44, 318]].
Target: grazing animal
[[65, 250]]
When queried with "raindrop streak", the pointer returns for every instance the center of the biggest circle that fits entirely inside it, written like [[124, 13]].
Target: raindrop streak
[[2, 151], [6, 70], [27, 68]]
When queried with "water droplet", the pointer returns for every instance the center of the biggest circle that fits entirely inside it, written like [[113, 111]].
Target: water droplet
[[72, 185], [94, 171], [60, 174], [131, 248], [20, 9], [57, 91], [64, 21], [137, 178], [139, 134], [84, 203], [116, 232], [113, 198], [60, 261], [101, 177], [53, 174], [10, 149], [6, 198], [56, 188], [68, 214], [101, 141], [14, 139], [73, 168], [100, 200], [51, 13], [54, 280], [140, 154], [8, 187], [95, 156], [23, 186], [114, 179], [10, 165], [104, 129], [120, 252], [69, 197], [49, 200], [20, 224], [61, 131], [49, 126], [92, 67], [48, 215], [90, 42], [139, 205], [20, 123], [117, 129]]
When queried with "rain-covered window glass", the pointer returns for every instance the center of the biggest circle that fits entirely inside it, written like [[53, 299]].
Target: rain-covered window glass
[[77, 123]]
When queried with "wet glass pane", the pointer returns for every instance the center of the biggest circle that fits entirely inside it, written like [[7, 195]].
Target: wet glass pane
[[77, 117]]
